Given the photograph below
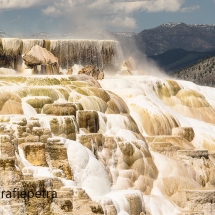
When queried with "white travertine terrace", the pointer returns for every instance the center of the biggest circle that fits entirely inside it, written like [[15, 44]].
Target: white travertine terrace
[[124, 145], [101, 53]]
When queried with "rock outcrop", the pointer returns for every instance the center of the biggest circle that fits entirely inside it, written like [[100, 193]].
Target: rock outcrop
[[41, 61], [91, 70]]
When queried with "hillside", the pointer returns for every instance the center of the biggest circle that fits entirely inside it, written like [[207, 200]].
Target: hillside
[[176, 35], [201, 73], [176, 59]]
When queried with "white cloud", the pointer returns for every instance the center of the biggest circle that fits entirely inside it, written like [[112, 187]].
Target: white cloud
[[51, 10], [126, 6], [121, 22], [15, 4], [190, 9], [108, 13], [150, 6], [116, 13]]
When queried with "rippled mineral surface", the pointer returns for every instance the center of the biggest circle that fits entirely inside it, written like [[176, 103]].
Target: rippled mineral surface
[[123, 145], [126, 145]]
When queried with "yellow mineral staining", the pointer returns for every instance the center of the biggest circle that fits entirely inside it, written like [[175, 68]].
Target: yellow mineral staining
[[93, 103], [75, 97], [88, 120], [35, 153], [174, 140], [98, 123], [46, 81], [192, 99], [133, 164], [63, 92], [116, 105], [207, 141], [185, 101], [14, 79], [167, 89], [7, 147], [38, 91], [171, 185], [59, 109], [76, 84], [10, 103], [37, 102], [91, 98], [122, 125], [57, 157], [184, 132], [92, 91], [154, 123]]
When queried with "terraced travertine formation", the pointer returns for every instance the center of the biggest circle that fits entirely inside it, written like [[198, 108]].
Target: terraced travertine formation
[[100, 53], [123, 145]]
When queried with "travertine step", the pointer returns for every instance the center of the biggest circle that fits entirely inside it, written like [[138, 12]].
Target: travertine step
[[191, 213], [212, 158], [162, 146], [198, 200], [184, 132], [165, 148], [201, 195], [16, 209], [193, 153], [175, 140]]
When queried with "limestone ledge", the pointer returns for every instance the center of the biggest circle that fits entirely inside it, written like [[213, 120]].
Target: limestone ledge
[[192, 153]]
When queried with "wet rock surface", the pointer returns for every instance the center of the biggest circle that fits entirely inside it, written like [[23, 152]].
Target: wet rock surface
[[91, 70], [93, 154], [41, 60]]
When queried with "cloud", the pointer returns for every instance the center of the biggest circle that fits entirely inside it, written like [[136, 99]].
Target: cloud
[[14, 4], [114, 7], [190, 9], [126, 6], [121, 22], [106, 13], [52, 11], [150, 6]]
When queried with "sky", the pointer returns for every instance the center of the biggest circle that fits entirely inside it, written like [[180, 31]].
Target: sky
[[27, 17]]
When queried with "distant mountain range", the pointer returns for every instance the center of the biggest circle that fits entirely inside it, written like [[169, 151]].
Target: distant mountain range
[[4, 35], [176, 35], [172, 45]]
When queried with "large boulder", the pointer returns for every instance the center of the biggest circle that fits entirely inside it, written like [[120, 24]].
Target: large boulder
[[41, 60]]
